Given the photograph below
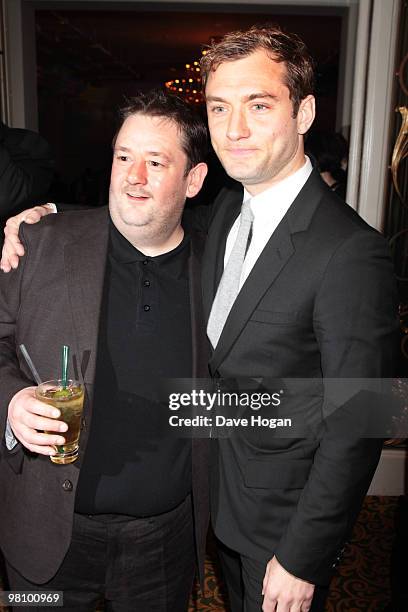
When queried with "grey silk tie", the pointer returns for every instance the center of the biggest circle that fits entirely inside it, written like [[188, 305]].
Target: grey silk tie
[[228, 288]]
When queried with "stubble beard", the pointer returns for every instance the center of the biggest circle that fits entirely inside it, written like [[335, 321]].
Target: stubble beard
[[261, 172], [147, 230]]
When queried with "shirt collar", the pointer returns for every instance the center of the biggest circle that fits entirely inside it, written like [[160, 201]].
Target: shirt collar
[[282, 194], [173, 262]]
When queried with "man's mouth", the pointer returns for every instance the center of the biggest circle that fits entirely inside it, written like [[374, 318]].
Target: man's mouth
[[240, 151], [137, 197]]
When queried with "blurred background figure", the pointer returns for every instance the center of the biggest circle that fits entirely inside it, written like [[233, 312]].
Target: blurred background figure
[[26, 170], [91, 188], [329, 153]]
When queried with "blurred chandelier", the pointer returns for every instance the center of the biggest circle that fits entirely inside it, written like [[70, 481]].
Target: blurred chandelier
[[188, 84]]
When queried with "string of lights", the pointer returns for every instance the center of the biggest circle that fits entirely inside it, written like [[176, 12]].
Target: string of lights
[[188, 85]]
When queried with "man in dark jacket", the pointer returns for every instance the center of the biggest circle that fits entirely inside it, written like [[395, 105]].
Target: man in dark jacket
[[128, 519], [26, 169]]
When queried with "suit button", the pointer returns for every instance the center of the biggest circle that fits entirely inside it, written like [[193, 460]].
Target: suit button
[[67, 485]]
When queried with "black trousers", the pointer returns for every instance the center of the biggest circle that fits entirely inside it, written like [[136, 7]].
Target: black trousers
[[135, 565], [244, 578]]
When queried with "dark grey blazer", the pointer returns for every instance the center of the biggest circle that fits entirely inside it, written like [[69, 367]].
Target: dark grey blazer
[[319, 302], [53, 299]]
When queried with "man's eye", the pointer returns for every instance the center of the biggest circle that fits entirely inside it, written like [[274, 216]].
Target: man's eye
[[259, 106], [154, 163], [218, 109], [122, 158]]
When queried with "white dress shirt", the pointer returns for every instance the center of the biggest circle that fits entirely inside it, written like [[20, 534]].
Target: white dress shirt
[[269, 208]]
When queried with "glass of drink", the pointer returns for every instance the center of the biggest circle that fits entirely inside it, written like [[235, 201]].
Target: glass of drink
[[70, 402]]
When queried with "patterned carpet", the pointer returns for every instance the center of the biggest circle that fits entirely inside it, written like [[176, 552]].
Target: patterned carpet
[[362, 583]]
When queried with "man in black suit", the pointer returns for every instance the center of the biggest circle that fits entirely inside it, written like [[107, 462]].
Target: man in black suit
[[316, 301], [127, 521], [26, 169]]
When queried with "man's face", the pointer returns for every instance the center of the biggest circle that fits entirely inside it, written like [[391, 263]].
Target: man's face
[[148, 182], [250, 116]]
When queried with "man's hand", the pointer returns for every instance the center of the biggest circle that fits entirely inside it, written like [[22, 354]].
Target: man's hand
[[283, 592], [27, 415], [13, 249]]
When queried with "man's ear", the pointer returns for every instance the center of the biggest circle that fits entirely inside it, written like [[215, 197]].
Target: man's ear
[[306, 114], [195, 179]]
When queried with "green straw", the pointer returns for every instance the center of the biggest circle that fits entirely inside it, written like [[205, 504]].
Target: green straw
[[64, 360]]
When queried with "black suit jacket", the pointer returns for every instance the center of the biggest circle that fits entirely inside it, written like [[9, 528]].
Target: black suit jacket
[[319, 303], [26, 169], [53, 299]]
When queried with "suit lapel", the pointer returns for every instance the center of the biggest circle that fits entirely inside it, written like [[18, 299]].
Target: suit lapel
[[227, 206], [272, 260], [277, 252], [200, 344], [85, 260], [200, 355]]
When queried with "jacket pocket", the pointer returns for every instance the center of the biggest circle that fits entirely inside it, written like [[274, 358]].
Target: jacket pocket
[[277, 474], [274, 317]]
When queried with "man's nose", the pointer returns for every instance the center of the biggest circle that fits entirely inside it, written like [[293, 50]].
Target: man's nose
[[137, 173], [237, 125]]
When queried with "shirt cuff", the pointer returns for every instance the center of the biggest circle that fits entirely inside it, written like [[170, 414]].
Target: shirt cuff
[[11, 441], [51, 206]]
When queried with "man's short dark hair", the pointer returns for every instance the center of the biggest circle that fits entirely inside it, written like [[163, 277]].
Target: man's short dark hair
[[280, 46], [192, 128]]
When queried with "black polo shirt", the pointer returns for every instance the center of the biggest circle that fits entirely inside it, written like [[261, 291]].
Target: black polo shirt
[[133, 465]]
